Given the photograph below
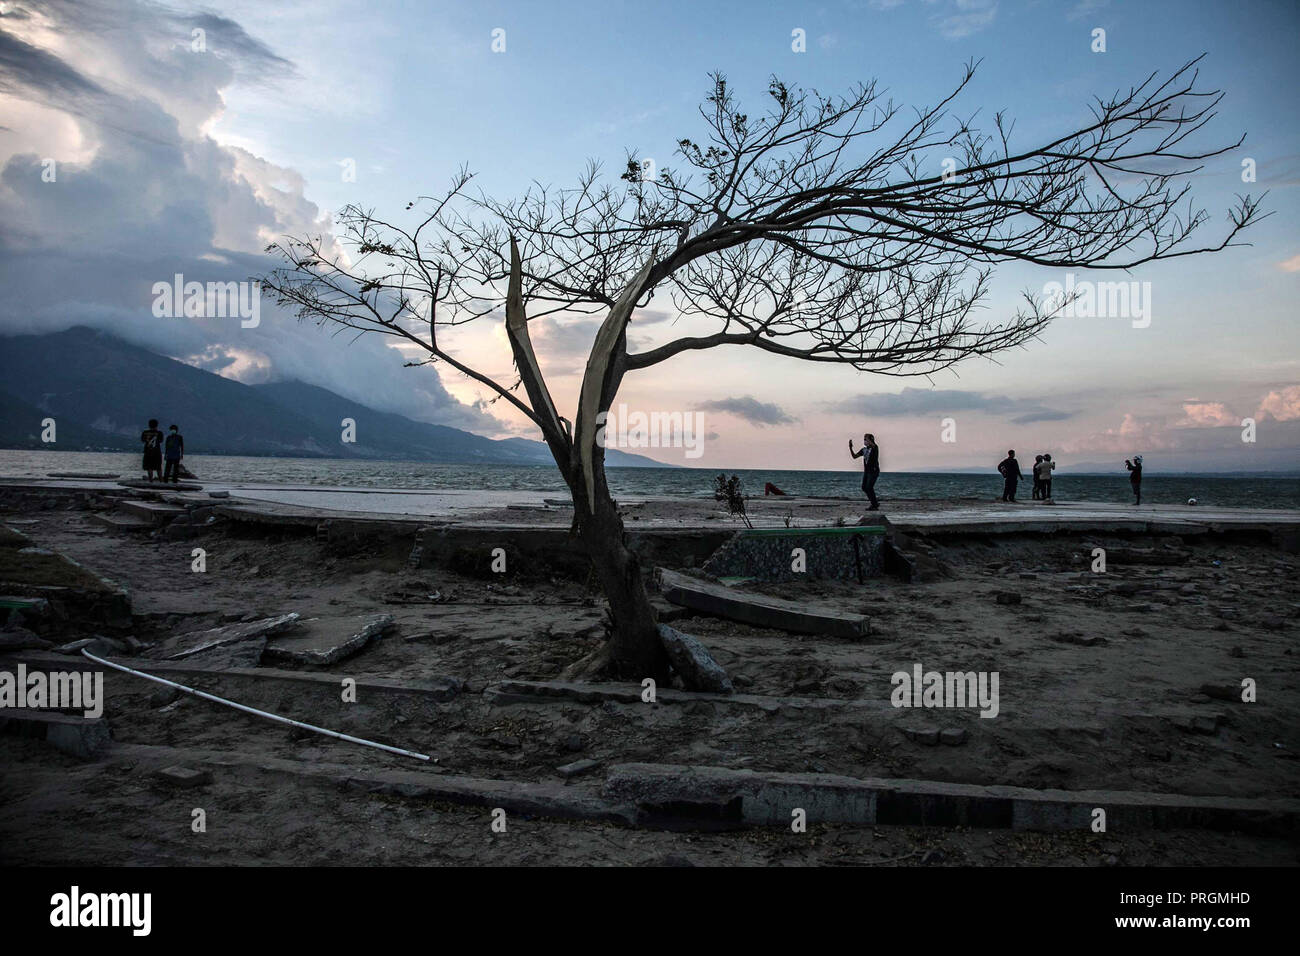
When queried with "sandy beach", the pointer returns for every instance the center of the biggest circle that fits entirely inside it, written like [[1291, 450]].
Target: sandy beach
[[1108, 680]]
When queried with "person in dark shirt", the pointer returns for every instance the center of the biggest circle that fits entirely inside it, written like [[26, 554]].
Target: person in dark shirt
[[1135, 477], [870, 455], [1009, 468], [173, 451], [1038, 482], [152, 439]]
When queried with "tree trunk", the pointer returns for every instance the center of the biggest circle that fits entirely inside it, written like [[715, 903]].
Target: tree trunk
[[634, 651]]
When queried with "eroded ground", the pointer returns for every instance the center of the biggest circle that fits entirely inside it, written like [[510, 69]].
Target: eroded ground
[[1074, 713]]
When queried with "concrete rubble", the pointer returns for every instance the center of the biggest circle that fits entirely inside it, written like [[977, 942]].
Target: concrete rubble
[[199, 642], [693, 663], [329, 640]]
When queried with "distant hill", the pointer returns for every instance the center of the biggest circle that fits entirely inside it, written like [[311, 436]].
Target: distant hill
[[101, 391]]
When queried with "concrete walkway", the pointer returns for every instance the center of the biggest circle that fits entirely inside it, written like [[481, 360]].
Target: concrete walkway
[[513, 508]]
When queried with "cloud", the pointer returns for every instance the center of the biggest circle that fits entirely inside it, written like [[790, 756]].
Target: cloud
[[1086, 8], [1290, 265], [751, 410], [141, 193], [1206, 415], [1281, 405], [930, 401], [966, 17], [1132, 436]]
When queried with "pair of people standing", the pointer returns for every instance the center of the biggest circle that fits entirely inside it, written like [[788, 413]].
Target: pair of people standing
[[159, 448], [1043, 467]]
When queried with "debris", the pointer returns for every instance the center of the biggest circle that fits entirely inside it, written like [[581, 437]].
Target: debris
[[197, 642], [577, 767], [693, 663], [1228, 692], [81, 737], [926, 738], [329, 641], [1007, 597], [952, 736], [184, 777]]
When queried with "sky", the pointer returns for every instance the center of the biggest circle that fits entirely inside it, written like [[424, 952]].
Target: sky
[[131, 152]]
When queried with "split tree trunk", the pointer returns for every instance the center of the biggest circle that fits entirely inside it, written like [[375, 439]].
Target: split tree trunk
[[633, 651]]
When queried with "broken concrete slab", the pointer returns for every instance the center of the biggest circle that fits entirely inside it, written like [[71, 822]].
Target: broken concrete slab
[[121, 523], [693, 662], [197, 642], [664, 794], [80, 737], [329, 640], [184, 777], [759, 609], [155, 512]]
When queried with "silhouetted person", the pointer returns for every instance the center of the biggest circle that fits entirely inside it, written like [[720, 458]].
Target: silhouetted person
[[1009, 469], [1045, 477], [173, 452], [1135, 477], [1038, 480], [152, 439], [870, 455]]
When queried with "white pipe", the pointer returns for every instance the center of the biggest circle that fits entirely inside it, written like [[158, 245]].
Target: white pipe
[[254, 711]]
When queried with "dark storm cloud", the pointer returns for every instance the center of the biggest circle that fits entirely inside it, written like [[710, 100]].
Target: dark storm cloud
[[750, 409], [930, 401], [160, 197]]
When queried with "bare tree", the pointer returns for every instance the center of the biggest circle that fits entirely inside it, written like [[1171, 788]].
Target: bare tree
[[828, 230]]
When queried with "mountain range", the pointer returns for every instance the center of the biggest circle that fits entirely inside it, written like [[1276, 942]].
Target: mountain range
[[101, 391]]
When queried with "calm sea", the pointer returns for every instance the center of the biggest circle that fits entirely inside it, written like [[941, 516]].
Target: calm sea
[[1246, 491]]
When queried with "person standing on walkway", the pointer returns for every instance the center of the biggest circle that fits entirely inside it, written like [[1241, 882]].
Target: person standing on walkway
[[1135, 477], [1038, 480], [1009, 469], [173, 452], [152, 440], [870, 455]]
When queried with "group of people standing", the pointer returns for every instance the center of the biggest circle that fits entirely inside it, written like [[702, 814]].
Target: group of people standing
[[160, 448], [1009, 469]]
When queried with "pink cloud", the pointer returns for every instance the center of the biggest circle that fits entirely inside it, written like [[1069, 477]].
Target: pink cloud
[[1282, 406], [1206, 415], [1133, 436]]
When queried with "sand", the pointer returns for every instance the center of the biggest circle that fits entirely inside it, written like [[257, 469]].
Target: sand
[[1075, 713]]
